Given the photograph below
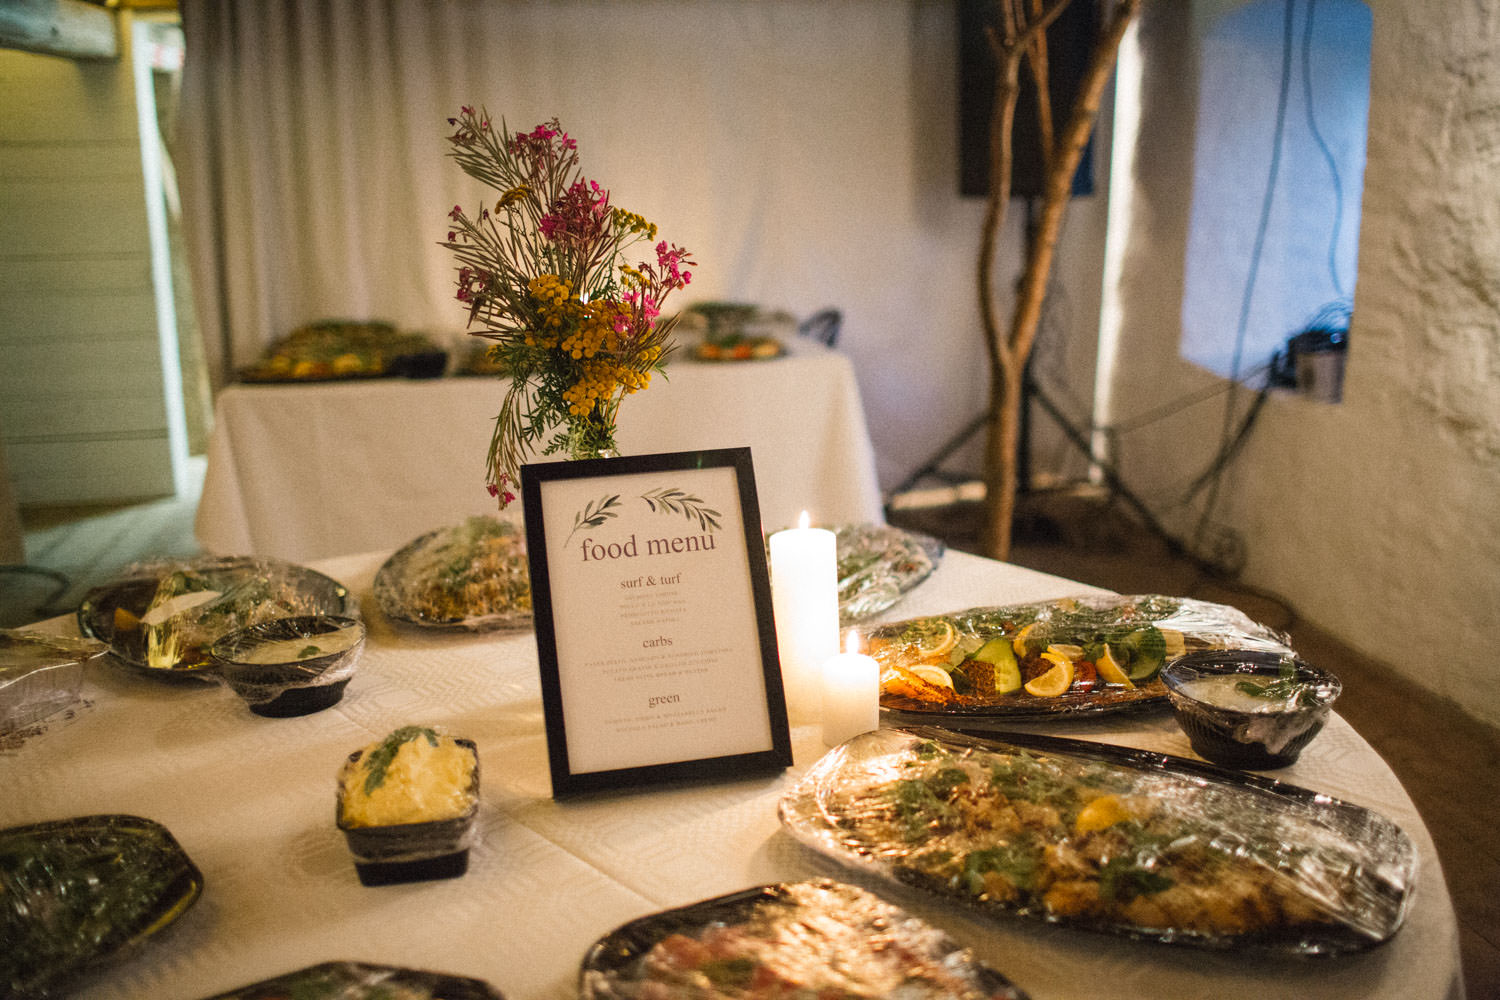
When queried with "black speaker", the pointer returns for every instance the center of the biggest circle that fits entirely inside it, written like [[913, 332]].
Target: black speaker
[[1070, 41]]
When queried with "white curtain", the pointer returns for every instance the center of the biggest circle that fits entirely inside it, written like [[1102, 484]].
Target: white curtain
[[805, 150]]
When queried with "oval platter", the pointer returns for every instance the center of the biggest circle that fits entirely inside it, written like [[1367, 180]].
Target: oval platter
[[247, 590], [94, 887], [1108, 839]]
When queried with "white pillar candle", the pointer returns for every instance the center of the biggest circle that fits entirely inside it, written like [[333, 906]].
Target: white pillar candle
[[805, 604], [851, 693]]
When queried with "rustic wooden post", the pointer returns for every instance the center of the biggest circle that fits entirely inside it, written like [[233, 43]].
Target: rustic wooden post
[[1021, 35]]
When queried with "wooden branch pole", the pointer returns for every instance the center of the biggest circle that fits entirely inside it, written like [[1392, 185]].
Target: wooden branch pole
[[1009, 349]]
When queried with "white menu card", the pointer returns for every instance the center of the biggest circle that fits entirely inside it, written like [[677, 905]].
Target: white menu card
[[653, 620]]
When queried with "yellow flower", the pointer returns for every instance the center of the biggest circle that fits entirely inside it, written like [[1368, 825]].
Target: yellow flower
[[512, 196]]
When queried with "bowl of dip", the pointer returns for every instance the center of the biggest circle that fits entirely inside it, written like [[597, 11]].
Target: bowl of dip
[[291, 666], [1248, 708]]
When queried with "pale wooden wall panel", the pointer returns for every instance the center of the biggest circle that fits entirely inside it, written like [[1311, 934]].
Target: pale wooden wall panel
[[49, 99], [82, 409], [75, 391], [26, 317], [71, 273], [102, 215], [79, 472], [87, 159]]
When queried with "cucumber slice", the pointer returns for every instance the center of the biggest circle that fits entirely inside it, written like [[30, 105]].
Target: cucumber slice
[[1007, 677], [1007, 671], [1147, 649]]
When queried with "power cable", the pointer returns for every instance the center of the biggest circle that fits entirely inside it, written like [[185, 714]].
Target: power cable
[[1333, 165], [1226, 438]]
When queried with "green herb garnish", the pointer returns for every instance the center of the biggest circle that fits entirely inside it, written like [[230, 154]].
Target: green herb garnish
[[307, 651], [1285, 686], [1017, 863], [379, 760], [1121, 880], [920, 802]]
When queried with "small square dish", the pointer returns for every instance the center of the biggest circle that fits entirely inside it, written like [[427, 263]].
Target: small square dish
[[407, 806]]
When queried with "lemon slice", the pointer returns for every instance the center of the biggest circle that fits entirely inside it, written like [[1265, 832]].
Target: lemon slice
[[1102, 813], [1067, 649], [1110, 670], [934, 675], [934, 639], [1019, 642], [1176, 644], [1055, 681]]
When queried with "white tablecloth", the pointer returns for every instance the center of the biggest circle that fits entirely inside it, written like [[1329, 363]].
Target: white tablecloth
[[305, 472], [252, 802]]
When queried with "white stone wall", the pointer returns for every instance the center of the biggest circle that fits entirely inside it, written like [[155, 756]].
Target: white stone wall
[[1378, 518]]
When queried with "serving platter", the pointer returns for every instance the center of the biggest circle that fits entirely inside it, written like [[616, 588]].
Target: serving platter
[[363, 981], [818, 938], [471, 576], [1108, 839], [878, 565], [214, 596], [1083, 655], [338, 350], [76, 892]]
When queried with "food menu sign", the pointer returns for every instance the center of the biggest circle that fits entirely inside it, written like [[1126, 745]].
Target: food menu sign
[[653, 620]]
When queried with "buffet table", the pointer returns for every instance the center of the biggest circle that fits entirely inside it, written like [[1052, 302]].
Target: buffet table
[[305, 472], [251, 800]]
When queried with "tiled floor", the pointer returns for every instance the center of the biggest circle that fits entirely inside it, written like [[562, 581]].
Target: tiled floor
[[1433, 746]]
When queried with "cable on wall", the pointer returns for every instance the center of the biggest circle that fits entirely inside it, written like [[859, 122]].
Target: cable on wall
[[1228, 438]]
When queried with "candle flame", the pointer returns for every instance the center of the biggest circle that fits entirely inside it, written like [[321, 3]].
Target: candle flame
[[851, 641], [804, 520]]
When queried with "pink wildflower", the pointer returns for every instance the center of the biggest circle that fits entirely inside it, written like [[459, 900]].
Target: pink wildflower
[[501, 492], [578, 217], [670, 260]]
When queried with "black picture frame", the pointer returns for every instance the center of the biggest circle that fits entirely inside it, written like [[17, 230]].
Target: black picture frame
[[562, 675]]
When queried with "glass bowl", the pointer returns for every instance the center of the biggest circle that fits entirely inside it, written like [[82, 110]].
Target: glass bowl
[[1247, 708], [291, 666]]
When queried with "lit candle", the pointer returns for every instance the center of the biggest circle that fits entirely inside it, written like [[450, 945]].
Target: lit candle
[[805, 603], [851, 693]]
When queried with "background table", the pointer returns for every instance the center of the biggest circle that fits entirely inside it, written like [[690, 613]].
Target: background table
[[252, 802], [304, 472]]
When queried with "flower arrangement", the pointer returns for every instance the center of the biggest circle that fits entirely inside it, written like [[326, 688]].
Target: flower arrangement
[[574, 325]]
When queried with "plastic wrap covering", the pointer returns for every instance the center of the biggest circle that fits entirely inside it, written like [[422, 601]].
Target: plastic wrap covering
[[1091, 653], [877, 565], [1248, 708], [362, 981], [407, 806], [163, 616], [1109, 839], [39, 675], [343, 349], [293, 663], [76, 892], [473, 575], [800, 939]]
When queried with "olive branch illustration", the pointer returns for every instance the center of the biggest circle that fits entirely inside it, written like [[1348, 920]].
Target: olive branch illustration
[[671, 500], [594, 513], [667, 500]]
